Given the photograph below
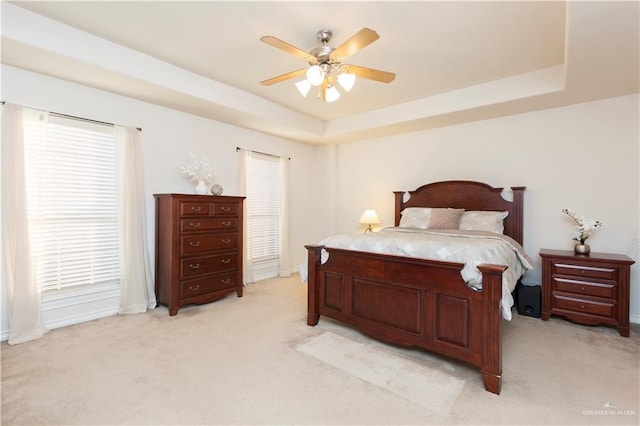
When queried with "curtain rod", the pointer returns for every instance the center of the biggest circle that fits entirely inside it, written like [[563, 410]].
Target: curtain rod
[[73, 117], [263, 153]]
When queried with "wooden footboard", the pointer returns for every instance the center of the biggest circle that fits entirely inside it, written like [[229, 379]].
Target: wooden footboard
[[411, 302]]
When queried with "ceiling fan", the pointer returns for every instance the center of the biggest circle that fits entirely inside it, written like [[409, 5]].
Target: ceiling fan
[[325, 64]]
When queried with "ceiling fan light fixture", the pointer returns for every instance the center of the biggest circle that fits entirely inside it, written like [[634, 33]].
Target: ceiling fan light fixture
[[303, 87], [332, 94], [326, 65], [346, 80], [315, 75]]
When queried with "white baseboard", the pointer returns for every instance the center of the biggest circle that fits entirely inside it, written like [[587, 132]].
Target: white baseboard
[[76, 306]]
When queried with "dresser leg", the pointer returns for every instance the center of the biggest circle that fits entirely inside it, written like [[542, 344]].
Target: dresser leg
[[239, 292], [545, 316], [173, 310], [624, 332]]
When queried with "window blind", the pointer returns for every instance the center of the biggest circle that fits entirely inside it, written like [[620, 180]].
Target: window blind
[[263, 198], [70, 168]]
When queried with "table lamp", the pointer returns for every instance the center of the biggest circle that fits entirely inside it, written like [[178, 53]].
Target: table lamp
[[369, 217]]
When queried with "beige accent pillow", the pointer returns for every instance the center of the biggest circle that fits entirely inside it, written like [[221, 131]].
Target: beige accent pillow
[[445, 218], [483, 221]]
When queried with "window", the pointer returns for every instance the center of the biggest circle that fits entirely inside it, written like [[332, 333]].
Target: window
[[70, 168], [263, 213]]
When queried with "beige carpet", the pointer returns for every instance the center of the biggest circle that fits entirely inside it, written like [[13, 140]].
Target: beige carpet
[[253, 360], [419, 383]]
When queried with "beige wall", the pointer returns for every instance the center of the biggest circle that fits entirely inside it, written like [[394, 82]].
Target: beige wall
[[583, 157], [168, 137]]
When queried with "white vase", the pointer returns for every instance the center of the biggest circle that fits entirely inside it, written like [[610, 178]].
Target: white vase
[[201, 188]]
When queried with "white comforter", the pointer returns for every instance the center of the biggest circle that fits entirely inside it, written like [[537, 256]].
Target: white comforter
[[469, 247]]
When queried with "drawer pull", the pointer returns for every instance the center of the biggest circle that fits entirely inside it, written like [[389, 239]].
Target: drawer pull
[[194, 265], [194, 287], [226, 261], [225, 209], [226, 240], [581, 306], [226, 281], [194, 244], [196, 209], [582, 288], [194, 224], [226, 223], [582, 271]]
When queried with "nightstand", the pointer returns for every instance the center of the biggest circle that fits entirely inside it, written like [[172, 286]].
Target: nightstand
[[590, 290]]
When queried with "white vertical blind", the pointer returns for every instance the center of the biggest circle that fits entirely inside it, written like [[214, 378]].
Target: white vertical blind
[[72, 202], [263, 198]]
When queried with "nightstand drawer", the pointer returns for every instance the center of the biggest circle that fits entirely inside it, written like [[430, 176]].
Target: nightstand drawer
[[601, 308], [584, 271], [599, 289]]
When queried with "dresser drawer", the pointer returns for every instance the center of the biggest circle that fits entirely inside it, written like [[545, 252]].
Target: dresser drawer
[[194, 225], [601, 308], [208, 284], [207, 264], [598, 289], [225, 209], [194, 208], [203, 243], [584, 271]]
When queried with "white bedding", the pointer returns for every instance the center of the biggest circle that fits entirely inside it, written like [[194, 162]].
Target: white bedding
[[469, 247]]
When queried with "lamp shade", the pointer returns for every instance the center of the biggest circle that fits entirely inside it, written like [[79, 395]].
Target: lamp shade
[[346, 80], [369, 217], [332, 94], [303, 87], [315, 75]]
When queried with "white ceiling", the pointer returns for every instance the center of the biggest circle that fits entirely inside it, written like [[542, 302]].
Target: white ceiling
[[454, 61]]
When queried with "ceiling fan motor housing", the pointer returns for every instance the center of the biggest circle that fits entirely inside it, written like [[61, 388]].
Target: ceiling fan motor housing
[[322, 52]]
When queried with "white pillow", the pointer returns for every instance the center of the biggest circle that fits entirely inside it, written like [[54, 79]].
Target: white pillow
[[483, 221], [415, 217]]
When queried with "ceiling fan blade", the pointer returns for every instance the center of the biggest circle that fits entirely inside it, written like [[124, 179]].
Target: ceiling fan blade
[[283, 77], [372, 74], [358, 41], [276, 42]]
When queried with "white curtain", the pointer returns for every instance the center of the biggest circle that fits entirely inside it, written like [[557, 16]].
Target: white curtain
[[136, 281], [284, 268], [24, 300], [247, 263]]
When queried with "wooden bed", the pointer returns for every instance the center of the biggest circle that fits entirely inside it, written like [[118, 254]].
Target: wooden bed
[[416, 302]]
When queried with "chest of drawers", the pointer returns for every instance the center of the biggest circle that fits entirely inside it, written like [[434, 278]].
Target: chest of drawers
[[198, 248], [589, 290]]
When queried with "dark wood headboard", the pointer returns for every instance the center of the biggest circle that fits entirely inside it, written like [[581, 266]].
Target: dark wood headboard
[[468, 195]]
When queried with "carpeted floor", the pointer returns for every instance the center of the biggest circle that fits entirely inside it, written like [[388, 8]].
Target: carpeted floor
[[253, 360]]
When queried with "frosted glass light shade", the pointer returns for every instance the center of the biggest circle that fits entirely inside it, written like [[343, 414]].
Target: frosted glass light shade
[[332, 94], [315, 75], [346, 80], [303, 87]]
